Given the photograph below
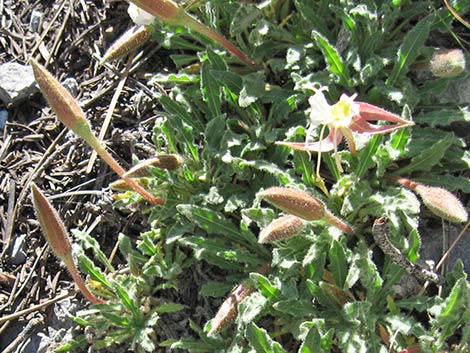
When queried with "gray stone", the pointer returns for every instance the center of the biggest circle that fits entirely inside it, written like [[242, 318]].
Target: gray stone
[[458, 92], [3, 119], [17, 82], [18, 254], [71, 85], [35, 21], [432, 243]]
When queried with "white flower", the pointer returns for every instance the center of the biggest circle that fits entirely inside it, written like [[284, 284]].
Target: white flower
[[338, 115], [139, 16]]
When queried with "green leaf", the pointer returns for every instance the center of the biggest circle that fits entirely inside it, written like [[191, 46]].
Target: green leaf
[[218, 253], [410, 49], [260, 340], [429, 157], [210, 89], [78, 343], [295, 307], [444, 117], [328, 302], [127, 301], [366, 160], [253, 89], [332, 58], [265, 286], [338, 264], [95, 273], [214, 223], [448, 182], [169, 308], [88, 242], [178, 111], [117, 320]]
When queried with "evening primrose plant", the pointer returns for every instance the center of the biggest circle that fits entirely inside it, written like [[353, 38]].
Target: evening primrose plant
[[249, 252]]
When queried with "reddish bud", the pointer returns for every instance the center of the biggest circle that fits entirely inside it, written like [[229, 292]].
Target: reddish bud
[[281, 228], [51, 224], [130, 40], [439, 201], [65, 106], [442, 203], [229, 308], [296, 202], [56, 236], [168, 11], [164, 161], [447, 63], [303, 205]]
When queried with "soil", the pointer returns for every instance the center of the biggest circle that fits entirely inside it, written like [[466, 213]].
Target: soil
[[35, 147]]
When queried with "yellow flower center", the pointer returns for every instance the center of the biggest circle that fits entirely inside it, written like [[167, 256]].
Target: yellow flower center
[[342, 113]]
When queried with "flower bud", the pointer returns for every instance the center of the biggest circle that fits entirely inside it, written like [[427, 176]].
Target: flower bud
[[439, 201], [130, 40], [51, 224], [442, 203], [281, 228], [447, 63], [65, 106], [229, 308], [168, 11], [296, 202], [164, 161], [303, 205], [56, 236]]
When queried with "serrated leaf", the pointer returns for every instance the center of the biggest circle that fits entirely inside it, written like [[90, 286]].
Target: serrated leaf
[[448, 182], [88, 242], [429, 157], [260, 340], [444, 117], [332, 58], [95, 273], [214, 223], [252, 90], [410, 49], [295, 307], [178, 111], [127, 301]]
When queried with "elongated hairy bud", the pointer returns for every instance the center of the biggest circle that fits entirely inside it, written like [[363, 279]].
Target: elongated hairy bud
[[281, 228], [229, 308], [439, 201], [303, 205], [127, 42], [68, 111], [57, 237]]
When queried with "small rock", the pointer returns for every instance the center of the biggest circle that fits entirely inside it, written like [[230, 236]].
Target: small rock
[[18, 255], [17, 82], [431, 248], [458, 92], [3, 119], [35, 21], [71, 85]]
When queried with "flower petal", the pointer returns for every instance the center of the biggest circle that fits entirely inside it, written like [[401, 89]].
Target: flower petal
[[328, 144], [371, 112], [319, 108], [363, 127]]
